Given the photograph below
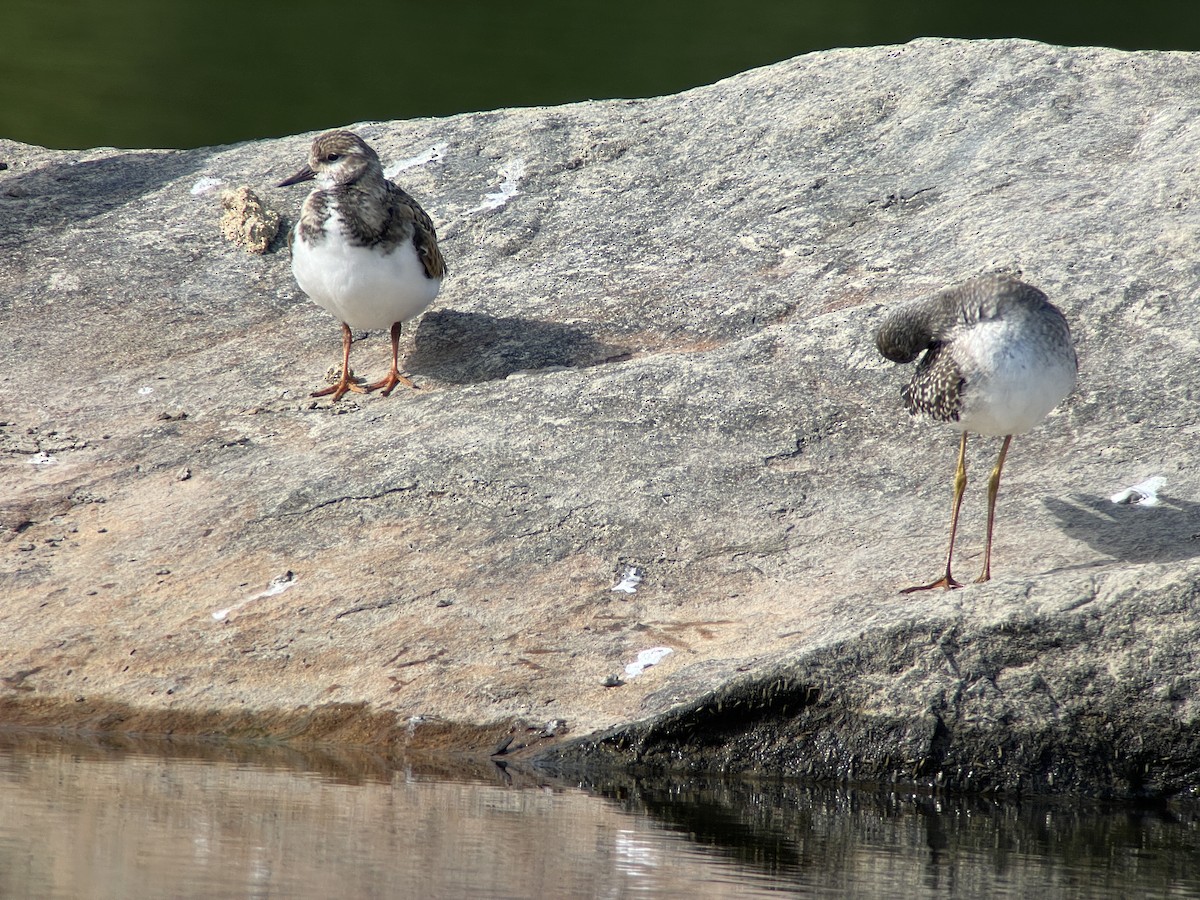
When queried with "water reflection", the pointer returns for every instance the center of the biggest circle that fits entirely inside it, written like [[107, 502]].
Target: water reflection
[[867, 842], [118, 819]]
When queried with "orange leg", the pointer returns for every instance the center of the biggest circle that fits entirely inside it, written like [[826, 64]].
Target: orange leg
[[393, 377], [960, 484], [347, 381], [993, 488]]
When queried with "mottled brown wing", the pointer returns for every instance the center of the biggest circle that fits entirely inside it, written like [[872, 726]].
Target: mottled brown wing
[[936, 387], [409, 219]]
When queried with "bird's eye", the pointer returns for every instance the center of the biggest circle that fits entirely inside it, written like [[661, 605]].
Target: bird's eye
[[333, 157]]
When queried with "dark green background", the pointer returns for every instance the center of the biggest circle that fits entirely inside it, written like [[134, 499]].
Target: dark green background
[[185, 73]]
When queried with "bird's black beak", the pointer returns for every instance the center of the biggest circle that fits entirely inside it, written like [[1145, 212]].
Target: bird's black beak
[[305, 174]]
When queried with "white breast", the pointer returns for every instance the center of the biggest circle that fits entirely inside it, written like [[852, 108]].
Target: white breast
[[1012, 382], [363, 286]]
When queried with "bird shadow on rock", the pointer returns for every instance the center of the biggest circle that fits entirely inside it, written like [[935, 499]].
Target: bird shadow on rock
[[67, 193], [467, 348], [1167, 532]]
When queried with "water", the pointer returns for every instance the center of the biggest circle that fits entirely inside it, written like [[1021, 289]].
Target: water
[[187, 73], [107, 819]]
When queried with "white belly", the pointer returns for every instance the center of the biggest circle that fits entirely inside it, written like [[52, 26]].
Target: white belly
[[362, 286], [1024, 380]]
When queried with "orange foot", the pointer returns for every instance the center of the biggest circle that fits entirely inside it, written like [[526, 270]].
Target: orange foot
[[945, 582], [346, 383], [393, 378]]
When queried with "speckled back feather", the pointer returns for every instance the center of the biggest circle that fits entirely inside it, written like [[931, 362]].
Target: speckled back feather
[[936, 386]]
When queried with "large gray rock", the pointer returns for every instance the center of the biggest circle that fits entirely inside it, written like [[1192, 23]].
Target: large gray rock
[[654, 351]]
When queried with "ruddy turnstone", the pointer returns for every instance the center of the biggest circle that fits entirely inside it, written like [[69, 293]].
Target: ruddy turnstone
[[998, 357], [363, 249]]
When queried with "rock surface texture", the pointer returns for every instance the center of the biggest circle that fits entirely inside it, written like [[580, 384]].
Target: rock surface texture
[[653, 357]]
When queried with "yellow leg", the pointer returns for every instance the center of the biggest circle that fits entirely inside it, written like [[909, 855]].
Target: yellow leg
[[993, 488], [960, 484]]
